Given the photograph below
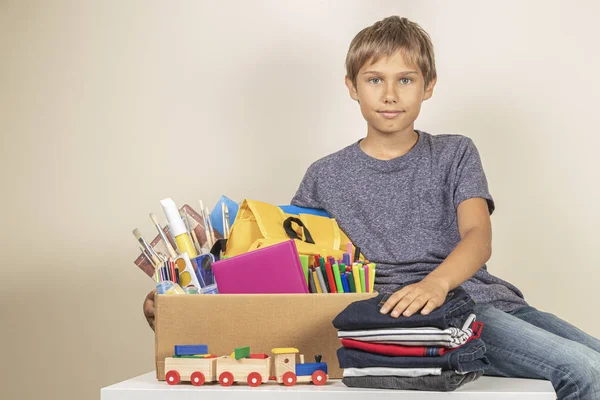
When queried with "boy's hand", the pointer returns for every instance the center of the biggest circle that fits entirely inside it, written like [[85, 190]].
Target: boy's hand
[[149, 308], [430, 293]]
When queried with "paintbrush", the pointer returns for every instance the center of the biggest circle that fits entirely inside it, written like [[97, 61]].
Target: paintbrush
[[209, 241], [185, 217], [210, 227], [226, 219], [170, 248], [149, 249], [146, 255]]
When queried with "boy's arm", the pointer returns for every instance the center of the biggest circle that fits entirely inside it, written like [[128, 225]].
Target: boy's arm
[[149, 308], [473, 250]]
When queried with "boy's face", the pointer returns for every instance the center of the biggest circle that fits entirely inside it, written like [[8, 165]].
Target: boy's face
[[390, 85]]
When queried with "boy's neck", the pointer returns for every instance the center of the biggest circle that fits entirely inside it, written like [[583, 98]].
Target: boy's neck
[[387, 146]]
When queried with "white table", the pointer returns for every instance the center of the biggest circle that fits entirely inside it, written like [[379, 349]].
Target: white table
[[485, 388]]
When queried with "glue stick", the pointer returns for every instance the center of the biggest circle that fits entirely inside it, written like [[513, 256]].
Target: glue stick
[[177, 227]]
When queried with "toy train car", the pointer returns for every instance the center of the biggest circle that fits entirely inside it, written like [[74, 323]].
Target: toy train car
[[253, 369]]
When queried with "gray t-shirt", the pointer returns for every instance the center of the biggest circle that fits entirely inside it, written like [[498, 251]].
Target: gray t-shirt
[[402, 212]]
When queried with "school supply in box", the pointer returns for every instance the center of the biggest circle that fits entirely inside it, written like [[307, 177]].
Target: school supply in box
[[261, 224], [328, 275], [195, 223], [180, 262], [176, 257], [272, 269], [223, 215], [203, 267], [297, 210], [169, 287]]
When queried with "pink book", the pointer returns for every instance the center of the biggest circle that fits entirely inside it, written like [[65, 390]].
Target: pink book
[[268, 270]]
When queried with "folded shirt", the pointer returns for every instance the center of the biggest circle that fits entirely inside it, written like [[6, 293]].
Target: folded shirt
[[364, 314], [384, 371], [446, 382], [427, 336], [470, 357], [407, 351]]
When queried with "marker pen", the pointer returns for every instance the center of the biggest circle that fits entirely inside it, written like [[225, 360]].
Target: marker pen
[[330, 278], [372, 270], [177, 227], [346, 258], [311, 281], [338, 279], [363, 283], [331, 260], [322, 281], [317, 282], [350, 279], [345, 283], [356, 276], [357, 254]]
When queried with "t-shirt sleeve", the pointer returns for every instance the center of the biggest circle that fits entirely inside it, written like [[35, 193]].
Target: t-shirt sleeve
[[307, 194], [470, 177]]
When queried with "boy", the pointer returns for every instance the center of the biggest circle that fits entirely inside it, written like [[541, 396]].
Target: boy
[[418, 205]]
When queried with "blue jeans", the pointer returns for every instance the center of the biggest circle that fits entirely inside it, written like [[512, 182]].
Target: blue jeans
[[467, 358], [364, 314], [528, 343]]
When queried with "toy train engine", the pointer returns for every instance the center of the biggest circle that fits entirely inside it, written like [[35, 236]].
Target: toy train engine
[[288, 372]]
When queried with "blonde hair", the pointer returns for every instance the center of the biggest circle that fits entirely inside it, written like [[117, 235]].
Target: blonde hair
[[386, 37]]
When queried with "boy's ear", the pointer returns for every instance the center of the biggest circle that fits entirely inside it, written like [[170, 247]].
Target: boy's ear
[[351, 89], [429, 89]]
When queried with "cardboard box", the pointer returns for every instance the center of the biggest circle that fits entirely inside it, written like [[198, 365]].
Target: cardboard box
[[261, 321]]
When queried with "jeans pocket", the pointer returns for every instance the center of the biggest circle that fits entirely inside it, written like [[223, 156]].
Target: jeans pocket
[[461, 307], [458, 308], [473, 354]]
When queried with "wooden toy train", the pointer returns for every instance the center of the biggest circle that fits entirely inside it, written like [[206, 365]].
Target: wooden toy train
[[193, 363]]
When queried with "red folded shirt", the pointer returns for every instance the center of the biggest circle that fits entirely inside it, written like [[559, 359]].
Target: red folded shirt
[[407, 351]]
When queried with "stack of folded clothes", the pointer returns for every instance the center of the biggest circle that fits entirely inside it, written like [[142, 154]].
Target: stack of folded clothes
[[440, 351]]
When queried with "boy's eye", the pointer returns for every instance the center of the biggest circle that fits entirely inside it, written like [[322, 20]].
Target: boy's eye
[[405, 81], [375, 79]]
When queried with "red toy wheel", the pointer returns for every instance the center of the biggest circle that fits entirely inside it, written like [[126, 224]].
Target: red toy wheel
[[197, 378], [289, 378], [254, 379], [226, 378], [172, 377], [319, 378]]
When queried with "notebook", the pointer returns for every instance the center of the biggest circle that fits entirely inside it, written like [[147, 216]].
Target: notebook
[[274, 269]]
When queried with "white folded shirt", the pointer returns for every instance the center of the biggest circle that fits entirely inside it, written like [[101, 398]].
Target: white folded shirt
[[427, 336]]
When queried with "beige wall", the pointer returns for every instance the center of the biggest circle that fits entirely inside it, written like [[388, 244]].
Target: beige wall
[[108, 106]]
